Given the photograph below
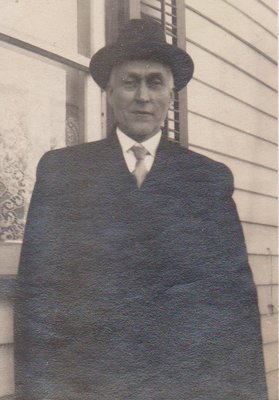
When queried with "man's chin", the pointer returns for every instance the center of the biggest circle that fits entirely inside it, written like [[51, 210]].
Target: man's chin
[[142, 134]]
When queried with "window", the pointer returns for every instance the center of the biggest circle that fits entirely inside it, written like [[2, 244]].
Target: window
[[48, 95]]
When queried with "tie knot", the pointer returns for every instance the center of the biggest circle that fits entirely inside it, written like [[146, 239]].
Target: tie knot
[[140, 152]]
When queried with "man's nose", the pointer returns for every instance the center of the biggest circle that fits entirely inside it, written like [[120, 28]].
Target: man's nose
[[142, 94]]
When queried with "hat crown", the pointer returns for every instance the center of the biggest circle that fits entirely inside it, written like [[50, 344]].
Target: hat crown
[[141, 30], [142, 39]]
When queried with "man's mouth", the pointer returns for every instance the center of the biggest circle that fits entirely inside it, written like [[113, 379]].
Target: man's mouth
[[142, 112]]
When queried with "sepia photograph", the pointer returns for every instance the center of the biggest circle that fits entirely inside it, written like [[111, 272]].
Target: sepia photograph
[[138, 200]]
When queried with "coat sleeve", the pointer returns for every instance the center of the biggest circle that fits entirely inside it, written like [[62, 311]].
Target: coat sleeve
[[37, 338], [234, 304]]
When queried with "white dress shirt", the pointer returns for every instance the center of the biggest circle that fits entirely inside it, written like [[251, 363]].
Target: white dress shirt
[[150, 145]]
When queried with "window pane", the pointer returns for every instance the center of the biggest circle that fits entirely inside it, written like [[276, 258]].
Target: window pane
[[51, 22], [32, 121]]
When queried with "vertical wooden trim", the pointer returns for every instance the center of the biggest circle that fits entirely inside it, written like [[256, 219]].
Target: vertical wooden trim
[[75, 104], [112, 25], [83, 27], [75, 81], [97, 25], [134, 9], [183, 106], [181, 26], [94, 109], [118, 12], [94, 112], [111, 20]]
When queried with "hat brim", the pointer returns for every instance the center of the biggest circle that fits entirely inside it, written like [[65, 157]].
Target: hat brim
[[178, 60]]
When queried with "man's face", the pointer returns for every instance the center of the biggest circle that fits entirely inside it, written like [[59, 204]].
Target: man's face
[[140, 92]]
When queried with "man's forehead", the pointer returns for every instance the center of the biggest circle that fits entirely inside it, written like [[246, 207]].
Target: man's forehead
[[142, 66]]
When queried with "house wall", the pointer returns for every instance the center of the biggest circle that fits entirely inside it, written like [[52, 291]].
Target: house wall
[[232, 110], [48, 102]]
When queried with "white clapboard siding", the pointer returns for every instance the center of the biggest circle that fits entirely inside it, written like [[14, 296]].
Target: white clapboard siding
[[247, 176], [238, 24], [264, 268], [258, 12], [268, 299], [93, 121], [256, 208], [215, 104], [272, 385], [223, 44], [269, 328], [271, 356], [6, 370], [9, 255], [260, 239], [218, 73], [232, 118], [212, 135], [272, 4], [6, 326]]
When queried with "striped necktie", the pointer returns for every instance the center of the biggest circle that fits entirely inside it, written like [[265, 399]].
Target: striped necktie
[[140, 170]]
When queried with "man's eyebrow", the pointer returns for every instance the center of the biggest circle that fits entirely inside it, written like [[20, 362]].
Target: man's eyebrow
[[155, 75], [139, 76], [131, 75]]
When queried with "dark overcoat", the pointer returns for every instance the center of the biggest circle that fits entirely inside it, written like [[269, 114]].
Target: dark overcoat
[[135, 294]]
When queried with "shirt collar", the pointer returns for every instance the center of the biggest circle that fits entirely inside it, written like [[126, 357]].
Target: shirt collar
[[150, 144]]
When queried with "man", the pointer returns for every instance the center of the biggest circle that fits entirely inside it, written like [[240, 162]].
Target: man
[[133, 280]]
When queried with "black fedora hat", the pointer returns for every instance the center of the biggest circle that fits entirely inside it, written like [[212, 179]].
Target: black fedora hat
[[142, 39]]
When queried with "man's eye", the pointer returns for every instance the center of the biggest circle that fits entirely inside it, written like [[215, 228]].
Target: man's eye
[[155, 82], [129, 83]]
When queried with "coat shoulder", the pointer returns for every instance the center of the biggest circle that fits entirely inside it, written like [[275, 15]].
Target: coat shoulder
[[209, 164], [69, 159], [200, 166]]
